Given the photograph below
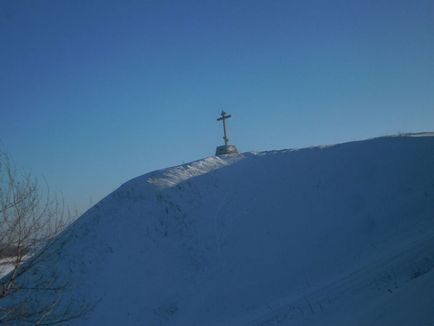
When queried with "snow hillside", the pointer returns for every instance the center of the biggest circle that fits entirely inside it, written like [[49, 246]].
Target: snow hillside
[[336, 235]]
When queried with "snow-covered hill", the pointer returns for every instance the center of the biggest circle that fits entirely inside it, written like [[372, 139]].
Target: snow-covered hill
[[334, 235]]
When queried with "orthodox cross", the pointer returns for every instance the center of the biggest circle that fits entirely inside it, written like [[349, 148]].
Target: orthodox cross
[[223, 118]]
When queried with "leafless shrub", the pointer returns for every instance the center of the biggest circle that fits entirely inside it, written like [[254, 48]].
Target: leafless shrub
[[30, 220]]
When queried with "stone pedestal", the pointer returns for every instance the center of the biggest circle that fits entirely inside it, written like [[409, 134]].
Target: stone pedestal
[[226, 149]]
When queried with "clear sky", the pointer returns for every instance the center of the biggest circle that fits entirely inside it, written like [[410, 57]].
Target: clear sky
[[93, 93]]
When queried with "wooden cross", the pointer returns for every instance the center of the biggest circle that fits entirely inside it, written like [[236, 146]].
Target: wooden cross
[[223, 118]]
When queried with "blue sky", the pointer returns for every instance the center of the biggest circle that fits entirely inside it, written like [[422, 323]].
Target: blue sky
[[93, 93]]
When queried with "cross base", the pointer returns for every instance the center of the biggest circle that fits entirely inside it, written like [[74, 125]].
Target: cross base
[[225, 150]]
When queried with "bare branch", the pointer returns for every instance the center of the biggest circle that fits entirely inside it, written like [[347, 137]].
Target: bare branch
[[30, 222]]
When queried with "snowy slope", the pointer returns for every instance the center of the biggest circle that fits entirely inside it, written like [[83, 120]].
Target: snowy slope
[[336, 235], [6, 266]]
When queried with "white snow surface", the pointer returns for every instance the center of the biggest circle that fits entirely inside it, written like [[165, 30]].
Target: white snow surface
[[6, 266], [337, 235]]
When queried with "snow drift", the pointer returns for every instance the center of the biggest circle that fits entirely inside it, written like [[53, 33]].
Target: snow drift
[[336, 235]]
